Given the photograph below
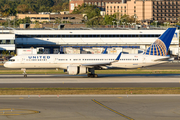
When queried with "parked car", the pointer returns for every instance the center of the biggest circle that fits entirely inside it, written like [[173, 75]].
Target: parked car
[[1, 60]]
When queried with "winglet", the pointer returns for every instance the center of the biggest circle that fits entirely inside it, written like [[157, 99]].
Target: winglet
[[105, 51], [118, 57]]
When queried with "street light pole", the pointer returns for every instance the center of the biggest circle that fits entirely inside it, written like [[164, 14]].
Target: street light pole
[[14, 23], [117, 24], [123, 24], [156, 23], [113, 23], [164, 24], [128, 24], [135, 18]]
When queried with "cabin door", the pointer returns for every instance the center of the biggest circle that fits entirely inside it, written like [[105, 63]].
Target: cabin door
[[23, 60], [55, 60], [144, 60]]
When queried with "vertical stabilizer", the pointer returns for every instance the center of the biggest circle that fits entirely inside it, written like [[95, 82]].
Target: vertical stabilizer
[[161, 45], [105, 51]]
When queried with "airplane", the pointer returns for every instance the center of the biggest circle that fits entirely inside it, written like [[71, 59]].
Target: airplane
[[75, 64]]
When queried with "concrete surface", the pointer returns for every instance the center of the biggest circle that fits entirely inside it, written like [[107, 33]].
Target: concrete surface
[[84, 108]]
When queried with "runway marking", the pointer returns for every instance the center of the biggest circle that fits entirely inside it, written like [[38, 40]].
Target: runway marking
[[12, 111], [119, 97], [112, 110], [9, 114]]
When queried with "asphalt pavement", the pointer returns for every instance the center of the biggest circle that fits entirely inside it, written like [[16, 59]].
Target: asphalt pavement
[[82, 81], [90, 108]]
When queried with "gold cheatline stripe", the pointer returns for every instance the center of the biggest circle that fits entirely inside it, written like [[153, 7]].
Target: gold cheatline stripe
[[112, 110]]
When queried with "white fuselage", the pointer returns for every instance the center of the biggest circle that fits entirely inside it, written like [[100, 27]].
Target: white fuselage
[[64, 60]]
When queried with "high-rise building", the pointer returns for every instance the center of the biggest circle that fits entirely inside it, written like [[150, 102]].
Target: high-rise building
[[144, 10], [166, 10], [100, 3]]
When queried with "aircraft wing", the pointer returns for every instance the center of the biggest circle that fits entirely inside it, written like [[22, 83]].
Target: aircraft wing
[[163, 59], [97, 64], [102, 63]]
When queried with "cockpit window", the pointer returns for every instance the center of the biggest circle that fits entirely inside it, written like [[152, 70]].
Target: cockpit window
[[12, 60]]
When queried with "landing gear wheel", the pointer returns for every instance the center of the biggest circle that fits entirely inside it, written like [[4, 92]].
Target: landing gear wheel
[[25, 75], [88, 75], [24, 72], [92, 75], [95, 75]]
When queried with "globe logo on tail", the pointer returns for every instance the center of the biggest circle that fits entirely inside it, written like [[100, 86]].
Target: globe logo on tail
[[157, 48]]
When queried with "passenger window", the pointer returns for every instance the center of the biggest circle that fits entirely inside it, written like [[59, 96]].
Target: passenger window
[[102, 35], [98, 36]]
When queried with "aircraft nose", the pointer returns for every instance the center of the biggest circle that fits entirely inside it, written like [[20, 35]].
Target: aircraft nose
[[5, 65]]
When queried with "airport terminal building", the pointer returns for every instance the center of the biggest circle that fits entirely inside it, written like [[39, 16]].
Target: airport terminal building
[[57, 41]]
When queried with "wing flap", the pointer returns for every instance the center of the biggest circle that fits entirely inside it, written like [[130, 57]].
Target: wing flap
[[102, 63], [163, 59]]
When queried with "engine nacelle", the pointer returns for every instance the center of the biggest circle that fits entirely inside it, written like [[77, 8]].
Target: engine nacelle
[[83, 70], [75, 70]]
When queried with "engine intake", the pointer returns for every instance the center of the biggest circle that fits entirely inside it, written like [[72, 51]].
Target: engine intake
[[75, 70]]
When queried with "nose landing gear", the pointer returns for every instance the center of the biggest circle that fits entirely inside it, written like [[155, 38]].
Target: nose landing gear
[[24, 72]]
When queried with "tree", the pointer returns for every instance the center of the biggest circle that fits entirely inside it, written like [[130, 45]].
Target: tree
[[57, 8], [33, 6], [37, 25], [65, 6], [108, 19], [22, 8], [44, 9]]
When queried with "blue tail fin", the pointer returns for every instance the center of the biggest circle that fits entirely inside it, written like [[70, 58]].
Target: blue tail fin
[[161, 45], [105, 51]]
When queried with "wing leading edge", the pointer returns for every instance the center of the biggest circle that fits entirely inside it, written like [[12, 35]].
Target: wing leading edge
[[103, 63]]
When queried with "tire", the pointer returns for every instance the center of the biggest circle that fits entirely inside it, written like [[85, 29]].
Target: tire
[[25, 76], [89, 75], [92, 76], [95, 75]]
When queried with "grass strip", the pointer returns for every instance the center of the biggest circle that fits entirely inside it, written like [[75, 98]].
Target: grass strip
[[129, 71], [86, 91]]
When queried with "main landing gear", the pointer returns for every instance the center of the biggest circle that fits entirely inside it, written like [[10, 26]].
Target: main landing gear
[[24, 73], [92, 74]]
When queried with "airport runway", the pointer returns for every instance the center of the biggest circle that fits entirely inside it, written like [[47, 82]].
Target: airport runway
[[159, 67], [91, 108], [82, 81]]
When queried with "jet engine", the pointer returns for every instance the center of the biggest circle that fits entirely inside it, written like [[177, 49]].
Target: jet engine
[[75, 70]]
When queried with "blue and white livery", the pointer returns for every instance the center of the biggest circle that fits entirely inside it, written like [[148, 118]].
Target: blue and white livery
[[75, 64]]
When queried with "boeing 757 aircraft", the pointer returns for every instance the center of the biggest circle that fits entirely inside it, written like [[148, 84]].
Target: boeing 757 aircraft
[[75, 64]]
